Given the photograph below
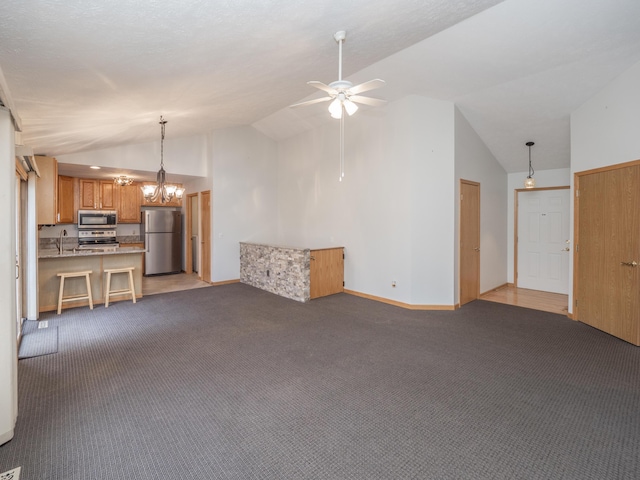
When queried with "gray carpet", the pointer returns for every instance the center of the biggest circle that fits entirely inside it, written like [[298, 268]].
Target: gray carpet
[[36, 342], [235, 383]]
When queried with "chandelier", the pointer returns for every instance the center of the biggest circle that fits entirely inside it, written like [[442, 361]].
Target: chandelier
[[123, 180], [161, 190], [530, 182]]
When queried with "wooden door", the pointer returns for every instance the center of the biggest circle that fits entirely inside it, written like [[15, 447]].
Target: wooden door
[[66, 200], [542, 240], [205, 242], [88, 194], [607, 286], [469, 241], [129, 200], [326, 274]]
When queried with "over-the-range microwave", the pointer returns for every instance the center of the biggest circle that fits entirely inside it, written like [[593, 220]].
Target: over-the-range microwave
[[92, 219]]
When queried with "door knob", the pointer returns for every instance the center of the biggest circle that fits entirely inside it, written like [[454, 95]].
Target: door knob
[[629, 264]]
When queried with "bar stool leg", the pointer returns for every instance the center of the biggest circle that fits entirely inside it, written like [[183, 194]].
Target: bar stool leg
[[60, 295], [131, 287], [89, 291], [106, 297]]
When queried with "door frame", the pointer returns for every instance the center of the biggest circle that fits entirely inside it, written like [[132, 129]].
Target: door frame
[[205, 236], [576, 223], [189, 257], [517, 191]]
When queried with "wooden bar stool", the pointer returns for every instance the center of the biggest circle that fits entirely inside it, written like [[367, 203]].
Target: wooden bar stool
[[71, 298], [125, 291]]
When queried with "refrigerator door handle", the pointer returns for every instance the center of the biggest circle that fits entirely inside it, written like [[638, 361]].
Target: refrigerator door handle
[[146, 225]]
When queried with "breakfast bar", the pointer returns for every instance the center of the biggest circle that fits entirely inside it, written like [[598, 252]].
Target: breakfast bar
[[51, 262], [300, 274]]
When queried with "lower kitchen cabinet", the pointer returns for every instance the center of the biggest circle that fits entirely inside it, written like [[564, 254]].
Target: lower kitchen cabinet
[[326, 272]]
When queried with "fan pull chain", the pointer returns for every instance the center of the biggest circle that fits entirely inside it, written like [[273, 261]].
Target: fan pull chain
[[341, 146]]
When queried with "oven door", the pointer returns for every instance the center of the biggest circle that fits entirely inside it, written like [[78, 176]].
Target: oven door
[[92, 219]]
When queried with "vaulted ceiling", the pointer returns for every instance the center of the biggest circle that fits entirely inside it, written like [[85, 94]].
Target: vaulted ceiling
[[85, 75]]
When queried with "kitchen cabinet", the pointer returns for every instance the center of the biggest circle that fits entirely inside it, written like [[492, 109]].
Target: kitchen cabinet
[[47, 190], [97, 194], [326, 272], [67, 209], [129, 198], [174, 202]]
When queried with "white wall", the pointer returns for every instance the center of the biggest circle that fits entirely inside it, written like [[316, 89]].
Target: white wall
[[605, 130], [244, 196], [431, 147], [559, 177], [8, 313], [394, 210], [475, 162]]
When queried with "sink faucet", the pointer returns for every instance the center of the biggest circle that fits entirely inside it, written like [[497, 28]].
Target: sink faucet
[[63, 233]]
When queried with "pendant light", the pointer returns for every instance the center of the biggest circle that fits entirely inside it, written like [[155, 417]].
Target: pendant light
[[161, 190], [530, 182]]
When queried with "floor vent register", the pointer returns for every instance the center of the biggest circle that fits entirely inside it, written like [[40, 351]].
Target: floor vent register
[[11, 474]]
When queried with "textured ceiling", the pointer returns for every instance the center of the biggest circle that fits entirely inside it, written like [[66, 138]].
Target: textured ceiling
[[86, 75]]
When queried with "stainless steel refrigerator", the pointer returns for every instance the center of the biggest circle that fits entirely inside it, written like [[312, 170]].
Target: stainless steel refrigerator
[[162, 230]]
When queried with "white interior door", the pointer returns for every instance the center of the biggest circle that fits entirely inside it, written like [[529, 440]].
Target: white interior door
[[543, 240]]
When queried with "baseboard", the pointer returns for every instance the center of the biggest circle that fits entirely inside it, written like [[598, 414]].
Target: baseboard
[[225, 282], [395, 303]]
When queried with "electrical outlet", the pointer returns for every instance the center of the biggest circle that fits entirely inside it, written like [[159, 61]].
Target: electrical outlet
[[11, 474], [42, 324]]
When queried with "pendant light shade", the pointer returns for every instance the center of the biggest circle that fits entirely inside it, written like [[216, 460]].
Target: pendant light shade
[[530, 182], [335, 108], [161, 190]]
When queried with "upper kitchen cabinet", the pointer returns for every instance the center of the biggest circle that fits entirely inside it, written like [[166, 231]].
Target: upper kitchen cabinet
[[174, 202], [47, 190], [129, 200], [97, 194], [67, 209]]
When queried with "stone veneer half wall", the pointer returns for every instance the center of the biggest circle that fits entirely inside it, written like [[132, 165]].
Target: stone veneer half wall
[[280, 270]]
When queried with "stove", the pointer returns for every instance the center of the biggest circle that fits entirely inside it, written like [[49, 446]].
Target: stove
[[94, 239]]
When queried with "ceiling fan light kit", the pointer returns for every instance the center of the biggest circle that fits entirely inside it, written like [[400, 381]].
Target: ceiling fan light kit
[[343, 96]]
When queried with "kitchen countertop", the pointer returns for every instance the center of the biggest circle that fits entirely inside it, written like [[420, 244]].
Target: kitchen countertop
[[53, 252]]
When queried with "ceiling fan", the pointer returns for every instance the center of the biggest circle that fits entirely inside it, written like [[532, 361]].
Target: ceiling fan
[[344, 96]]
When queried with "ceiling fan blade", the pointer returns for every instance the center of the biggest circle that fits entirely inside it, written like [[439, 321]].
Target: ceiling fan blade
[[374, 102], [310, 102], [323, 87], [366, 86]]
